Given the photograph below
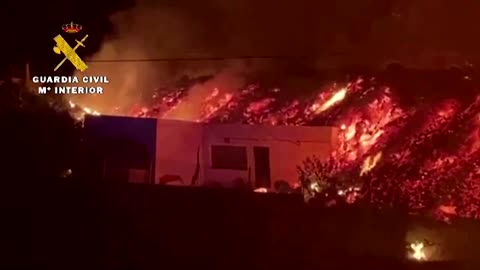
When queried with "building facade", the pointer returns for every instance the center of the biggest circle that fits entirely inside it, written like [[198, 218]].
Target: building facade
[[228, 155]]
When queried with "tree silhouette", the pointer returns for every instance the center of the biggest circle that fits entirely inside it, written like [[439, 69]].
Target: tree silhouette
[[38, 137]]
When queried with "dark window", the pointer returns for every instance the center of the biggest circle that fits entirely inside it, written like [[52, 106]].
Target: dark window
[[229, 157]]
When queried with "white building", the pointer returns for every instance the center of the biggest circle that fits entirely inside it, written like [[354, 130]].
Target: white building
[[186, 153], [220, 154]]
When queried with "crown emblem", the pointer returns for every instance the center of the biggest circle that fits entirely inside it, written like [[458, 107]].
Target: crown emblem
[[72, 28]]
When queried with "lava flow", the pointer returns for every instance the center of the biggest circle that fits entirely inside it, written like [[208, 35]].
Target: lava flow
[[427, 155]]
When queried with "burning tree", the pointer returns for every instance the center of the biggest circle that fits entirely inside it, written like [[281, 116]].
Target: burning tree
[[325, 180], [315, 177]]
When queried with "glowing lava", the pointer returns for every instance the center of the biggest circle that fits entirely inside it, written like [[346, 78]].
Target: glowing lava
[[427, 155]]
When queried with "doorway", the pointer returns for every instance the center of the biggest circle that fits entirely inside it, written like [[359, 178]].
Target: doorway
[[262, 166]]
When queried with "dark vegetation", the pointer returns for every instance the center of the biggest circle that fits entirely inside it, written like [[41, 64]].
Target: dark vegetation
[[38, 137], [75, 225]]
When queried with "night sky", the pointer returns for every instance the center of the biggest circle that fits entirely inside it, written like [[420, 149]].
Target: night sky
[[370, 32], [30, 29], [326, 34]]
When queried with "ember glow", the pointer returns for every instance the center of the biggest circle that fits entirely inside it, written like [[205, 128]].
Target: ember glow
[[78, 112], [370, 163], [261, 190], [428, 155], [418, 252]]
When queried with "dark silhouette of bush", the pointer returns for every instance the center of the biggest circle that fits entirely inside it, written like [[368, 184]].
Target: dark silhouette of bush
[[282, 186], [39, 137]]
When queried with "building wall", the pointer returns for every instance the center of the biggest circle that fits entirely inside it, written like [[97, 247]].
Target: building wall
[[179, 141], [139, 130], [172, 145], [117, 144], [289, 146], [177, 145]]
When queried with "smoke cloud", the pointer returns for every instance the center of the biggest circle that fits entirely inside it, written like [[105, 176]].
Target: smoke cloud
[[328, 33]]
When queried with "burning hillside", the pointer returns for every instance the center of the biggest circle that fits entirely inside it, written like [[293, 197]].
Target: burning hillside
[[427, 155]]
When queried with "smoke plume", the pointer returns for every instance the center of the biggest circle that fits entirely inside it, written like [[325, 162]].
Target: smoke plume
[[328, 33]]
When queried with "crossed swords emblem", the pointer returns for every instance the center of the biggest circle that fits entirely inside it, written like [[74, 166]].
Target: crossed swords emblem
[[70, 54]]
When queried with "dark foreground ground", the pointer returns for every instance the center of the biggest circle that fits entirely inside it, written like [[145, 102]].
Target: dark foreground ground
[[66, 225]]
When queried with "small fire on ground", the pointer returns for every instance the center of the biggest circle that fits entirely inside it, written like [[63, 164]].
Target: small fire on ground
[[261, 190], [417, 251]]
